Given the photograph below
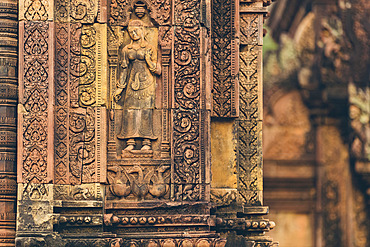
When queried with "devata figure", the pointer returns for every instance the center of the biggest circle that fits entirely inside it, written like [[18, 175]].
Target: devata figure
[[136, 87]]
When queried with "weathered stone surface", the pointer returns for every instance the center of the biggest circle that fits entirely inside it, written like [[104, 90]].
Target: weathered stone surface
[[223, 155], [114, 134], [8, 120]]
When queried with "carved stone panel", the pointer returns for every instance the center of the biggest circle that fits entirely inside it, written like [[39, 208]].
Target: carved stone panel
[[36, 10], [249, 147], [225, 60], [36, 109], [77, 11], [80, 92]]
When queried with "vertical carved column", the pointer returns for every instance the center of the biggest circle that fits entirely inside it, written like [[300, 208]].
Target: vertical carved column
[[35, 118], [250, 120], [166, 37], [36, 95], [225, 62], [8, 116], [190, 112], [244, 218]]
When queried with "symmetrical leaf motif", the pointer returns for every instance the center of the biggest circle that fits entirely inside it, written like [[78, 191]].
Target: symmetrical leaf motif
[[223, 59], [249, 124], [35, 92]]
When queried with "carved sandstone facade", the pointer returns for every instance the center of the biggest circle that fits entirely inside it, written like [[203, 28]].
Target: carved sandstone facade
[[114, 123]]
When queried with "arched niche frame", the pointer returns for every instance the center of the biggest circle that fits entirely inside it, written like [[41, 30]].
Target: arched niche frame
[[121, 11]]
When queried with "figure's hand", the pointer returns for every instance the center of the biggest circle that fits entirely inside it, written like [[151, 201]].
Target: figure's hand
[[148, 56], [117, 94]]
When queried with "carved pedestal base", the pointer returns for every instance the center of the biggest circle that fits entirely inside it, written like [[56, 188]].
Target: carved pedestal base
[[137, 154]]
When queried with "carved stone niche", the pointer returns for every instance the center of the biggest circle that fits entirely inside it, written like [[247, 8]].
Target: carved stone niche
[[139, 166], [136, 100]]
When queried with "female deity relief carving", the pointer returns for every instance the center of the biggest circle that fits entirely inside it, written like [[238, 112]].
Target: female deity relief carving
[[136, 88]]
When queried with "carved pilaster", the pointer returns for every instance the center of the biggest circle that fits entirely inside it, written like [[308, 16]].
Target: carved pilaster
[[36, 95], [8, 119], [225, 60], [240, 212], [166, 39], [80, 97], [250, 119]]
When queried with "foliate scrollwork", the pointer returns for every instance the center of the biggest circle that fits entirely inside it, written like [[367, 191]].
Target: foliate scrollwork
[[83, 11], [187, 13], [186, 147], [224, 61], [35, 92], [250, 124], [82, 146], [75, 63], [76, 11], [249, 29], [139, 183], [87, 86], [187, 99], [187, 68]]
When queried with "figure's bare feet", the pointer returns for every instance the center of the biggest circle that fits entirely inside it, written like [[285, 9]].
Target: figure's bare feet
[[145, 148], [129, 147]]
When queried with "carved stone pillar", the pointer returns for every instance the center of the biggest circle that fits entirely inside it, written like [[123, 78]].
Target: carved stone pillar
[[249, 140], [8, 119], [240, 209]]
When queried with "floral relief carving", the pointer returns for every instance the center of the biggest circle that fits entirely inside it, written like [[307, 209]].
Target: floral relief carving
[[250, 124], [187, 119], [36, 10], [224, 61], [35, 97], [61, 103]]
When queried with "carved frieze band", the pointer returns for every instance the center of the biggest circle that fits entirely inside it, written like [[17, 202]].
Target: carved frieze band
[[61, 102], [36, 108], [250, 120], [225, 61]]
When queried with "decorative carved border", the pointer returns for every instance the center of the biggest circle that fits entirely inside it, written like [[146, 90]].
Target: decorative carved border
[[225, 54], [249, 149], [36, 138]]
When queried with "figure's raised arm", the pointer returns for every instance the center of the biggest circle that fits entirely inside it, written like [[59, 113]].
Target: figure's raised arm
[[153, 67], [122, 81]]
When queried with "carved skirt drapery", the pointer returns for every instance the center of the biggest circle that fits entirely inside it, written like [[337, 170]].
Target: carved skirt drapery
[[138, 101]]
